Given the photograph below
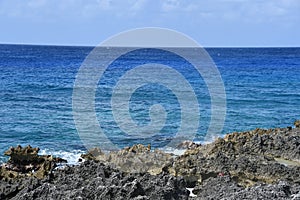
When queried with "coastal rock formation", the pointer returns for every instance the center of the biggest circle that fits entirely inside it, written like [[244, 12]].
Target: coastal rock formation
[[256, 164], [224, 187], [297, 123], [25, 162], [188, 145], [135, 159], [257, 157], [94, 180], [251, 157]]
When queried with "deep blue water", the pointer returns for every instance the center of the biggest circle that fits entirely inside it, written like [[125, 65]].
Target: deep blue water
[[262, 88]]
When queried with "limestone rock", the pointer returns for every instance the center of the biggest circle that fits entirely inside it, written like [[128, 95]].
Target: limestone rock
[[256, 164], [135, 159], [25, 162], [250, 157]]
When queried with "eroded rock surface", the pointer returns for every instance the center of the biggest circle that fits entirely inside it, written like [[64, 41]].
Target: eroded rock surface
[[25, 162], [248, 157], [135, 159], [224, 187], [257, 164], [94, 180]]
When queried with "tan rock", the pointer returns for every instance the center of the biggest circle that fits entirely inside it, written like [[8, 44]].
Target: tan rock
[[24, 162], [297, 123]]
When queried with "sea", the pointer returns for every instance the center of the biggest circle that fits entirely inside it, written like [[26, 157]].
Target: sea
[[262, 87]]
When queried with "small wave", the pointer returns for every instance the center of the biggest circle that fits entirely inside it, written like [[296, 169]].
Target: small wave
[[71, 156], [177, 152]]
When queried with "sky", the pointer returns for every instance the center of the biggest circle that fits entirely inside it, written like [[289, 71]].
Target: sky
[[212, 23]]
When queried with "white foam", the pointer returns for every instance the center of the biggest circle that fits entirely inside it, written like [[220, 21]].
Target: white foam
[[71, 156], [177, 152]]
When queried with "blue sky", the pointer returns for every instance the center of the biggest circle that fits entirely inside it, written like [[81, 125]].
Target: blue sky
[[209, 22]]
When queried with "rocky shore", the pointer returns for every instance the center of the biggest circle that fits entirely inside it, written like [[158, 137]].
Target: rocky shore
[[256, 164]]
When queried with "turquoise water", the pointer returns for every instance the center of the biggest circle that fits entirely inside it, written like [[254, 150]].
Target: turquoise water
[[262, 88]]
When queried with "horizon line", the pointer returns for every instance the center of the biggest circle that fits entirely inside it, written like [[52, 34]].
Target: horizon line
[[93, 46]]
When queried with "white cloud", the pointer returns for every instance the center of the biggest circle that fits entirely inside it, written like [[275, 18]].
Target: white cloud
[[224, 9], [82, 18]]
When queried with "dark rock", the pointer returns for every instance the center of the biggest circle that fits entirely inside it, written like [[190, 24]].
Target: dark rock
[[257, 164], [92, 180], [258, 156], [227, 188]]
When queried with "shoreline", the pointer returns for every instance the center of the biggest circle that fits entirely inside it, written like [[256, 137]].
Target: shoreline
[[76, 153], [261, 163]]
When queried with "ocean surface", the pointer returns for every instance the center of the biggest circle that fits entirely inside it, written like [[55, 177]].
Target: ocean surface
[[36, 86]]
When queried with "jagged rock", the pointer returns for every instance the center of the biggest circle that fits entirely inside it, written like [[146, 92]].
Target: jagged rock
[[188, 145], [25, 162], [226, 188], [256, 164], [259, 155], [92, 180], [93, 154], [135, 159], [23, 155]]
